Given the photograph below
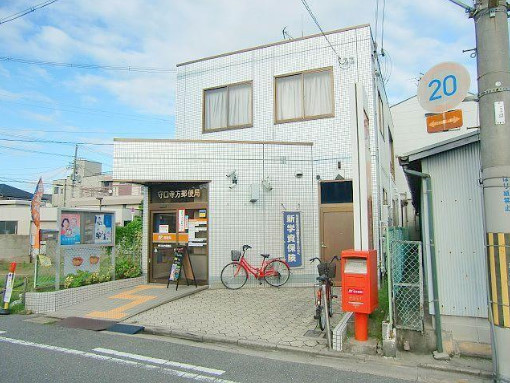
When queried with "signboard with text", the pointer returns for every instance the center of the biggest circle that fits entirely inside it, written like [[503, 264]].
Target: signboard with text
[[292, 238], [443, 87]]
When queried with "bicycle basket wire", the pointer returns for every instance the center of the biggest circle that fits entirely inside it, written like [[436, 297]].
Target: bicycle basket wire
[[327, 269], [235, 255]]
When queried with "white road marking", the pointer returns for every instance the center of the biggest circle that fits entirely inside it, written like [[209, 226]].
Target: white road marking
[[169, 371], [162, 362]]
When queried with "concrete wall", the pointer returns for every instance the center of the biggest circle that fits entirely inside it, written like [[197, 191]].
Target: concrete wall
[[19, 211], [14, 248]]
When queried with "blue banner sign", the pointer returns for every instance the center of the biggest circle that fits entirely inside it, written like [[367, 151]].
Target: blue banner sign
[[292, 238]]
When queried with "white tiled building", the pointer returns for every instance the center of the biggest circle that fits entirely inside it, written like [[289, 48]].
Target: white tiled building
[[263, 131]]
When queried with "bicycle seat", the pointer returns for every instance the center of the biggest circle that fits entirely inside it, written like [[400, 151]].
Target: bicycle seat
[[322, 278], [265, 255]]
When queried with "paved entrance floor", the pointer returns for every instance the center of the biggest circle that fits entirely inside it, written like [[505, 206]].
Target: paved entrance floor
[[124, 303], [262, 315]]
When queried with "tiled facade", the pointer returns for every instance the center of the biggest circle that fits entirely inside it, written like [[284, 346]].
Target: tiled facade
[[233, 219]]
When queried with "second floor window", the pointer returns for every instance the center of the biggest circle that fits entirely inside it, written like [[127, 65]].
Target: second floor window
[[228, 107], [304, 96]]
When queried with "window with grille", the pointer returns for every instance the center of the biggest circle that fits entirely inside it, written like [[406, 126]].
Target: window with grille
[[305, 95]]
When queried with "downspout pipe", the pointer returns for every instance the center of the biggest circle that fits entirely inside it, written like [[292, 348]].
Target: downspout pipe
[[432, 249]]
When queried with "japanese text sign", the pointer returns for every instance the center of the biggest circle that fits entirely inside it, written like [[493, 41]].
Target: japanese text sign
[[292, 238]]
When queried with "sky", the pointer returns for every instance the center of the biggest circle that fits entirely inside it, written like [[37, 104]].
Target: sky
[[71, 104]]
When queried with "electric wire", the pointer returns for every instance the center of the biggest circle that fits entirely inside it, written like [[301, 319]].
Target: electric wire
[[26, 11], [53, 142], [30, 151], [318, 26], [88, 66], [97, 112]]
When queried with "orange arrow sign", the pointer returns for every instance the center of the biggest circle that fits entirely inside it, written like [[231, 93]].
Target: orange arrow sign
[[444, 121]]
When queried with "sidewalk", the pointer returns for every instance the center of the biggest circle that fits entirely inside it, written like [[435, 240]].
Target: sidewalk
[[259, 316], [124, 303], [274, 319]]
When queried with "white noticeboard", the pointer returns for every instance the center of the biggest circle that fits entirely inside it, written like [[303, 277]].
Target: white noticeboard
[[499, 113], [443, 87]]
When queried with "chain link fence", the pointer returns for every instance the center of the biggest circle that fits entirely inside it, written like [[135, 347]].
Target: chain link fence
[[406, 270]]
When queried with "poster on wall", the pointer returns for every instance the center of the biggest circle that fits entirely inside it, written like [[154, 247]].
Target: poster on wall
[[292, 238], [84, 261], [103, 228], [70, 229]]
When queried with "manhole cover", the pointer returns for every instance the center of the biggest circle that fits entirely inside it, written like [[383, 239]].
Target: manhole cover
[[313, 333]]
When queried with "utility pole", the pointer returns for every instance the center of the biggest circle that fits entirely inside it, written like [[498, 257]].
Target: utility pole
[[74, 171], [493, 63]]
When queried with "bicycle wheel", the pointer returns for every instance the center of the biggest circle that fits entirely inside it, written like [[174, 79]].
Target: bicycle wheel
[[276, 273], [322, 318], [234, 276], [330, 301]]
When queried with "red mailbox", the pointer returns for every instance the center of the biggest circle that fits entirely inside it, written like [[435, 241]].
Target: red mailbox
[[359, 287]]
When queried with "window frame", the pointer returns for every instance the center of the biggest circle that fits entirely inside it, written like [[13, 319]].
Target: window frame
[[305, 118], [5, 227], [233, 127]]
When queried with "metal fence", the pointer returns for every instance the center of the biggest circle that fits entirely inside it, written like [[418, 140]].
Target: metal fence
[[45, 264], [406, 270]]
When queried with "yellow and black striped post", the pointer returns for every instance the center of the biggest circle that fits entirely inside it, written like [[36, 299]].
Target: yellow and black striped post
[[498, 259]]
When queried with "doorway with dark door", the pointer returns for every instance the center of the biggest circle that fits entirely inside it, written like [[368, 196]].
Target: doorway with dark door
[[336, 220], [164, 240]]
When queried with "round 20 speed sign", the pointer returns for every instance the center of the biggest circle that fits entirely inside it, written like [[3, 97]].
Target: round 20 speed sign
[[443, 87]]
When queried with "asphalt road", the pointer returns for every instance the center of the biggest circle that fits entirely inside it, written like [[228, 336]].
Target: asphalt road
[[32, 352]]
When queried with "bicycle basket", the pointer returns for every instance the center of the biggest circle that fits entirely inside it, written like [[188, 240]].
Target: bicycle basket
[[235, 255], [327, 269]]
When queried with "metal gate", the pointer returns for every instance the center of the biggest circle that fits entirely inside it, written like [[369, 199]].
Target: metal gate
[[407, 284]]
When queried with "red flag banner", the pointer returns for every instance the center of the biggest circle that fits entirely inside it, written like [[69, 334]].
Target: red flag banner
[[35, 206]]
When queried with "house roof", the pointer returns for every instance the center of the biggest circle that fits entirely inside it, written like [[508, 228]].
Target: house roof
[[412, 160], [273, 44], [440, 147], [10, 192]]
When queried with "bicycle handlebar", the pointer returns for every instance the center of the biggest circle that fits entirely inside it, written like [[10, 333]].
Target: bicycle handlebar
[[246, 247], [330, 262]]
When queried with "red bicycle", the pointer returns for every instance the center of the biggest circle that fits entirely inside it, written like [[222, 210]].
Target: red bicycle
[[234, 275]]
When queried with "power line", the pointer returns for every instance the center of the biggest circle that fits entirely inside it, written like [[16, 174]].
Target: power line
[[26, 11], [89, 110], [318, 25], [36, 151], [53, 141], [89, 66]]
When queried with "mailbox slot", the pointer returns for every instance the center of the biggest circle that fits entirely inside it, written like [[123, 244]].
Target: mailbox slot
[[355, 266]]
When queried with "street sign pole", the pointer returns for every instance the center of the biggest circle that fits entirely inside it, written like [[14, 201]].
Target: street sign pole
[[493, 61]]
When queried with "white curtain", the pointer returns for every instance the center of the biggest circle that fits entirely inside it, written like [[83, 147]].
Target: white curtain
[[318, 93], [239, 100], [289, 98], [216, 108]]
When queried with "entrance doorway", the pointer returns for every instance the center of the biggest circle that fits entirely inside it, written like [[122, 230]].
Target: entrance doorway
[[179, 218], [164, 240], [336, 221]]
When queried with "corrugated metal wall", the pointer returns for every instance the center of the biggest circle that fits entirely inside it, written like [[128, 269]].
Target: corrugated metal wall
[[459, 233]]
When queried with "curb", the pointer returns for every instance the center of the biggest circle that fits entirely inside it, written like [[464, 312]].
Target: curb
[[204, 338]]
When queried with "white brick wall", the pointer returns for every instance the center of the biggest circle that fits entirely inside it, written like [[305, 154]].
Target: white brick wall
[[234, 220], [331, 136]]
